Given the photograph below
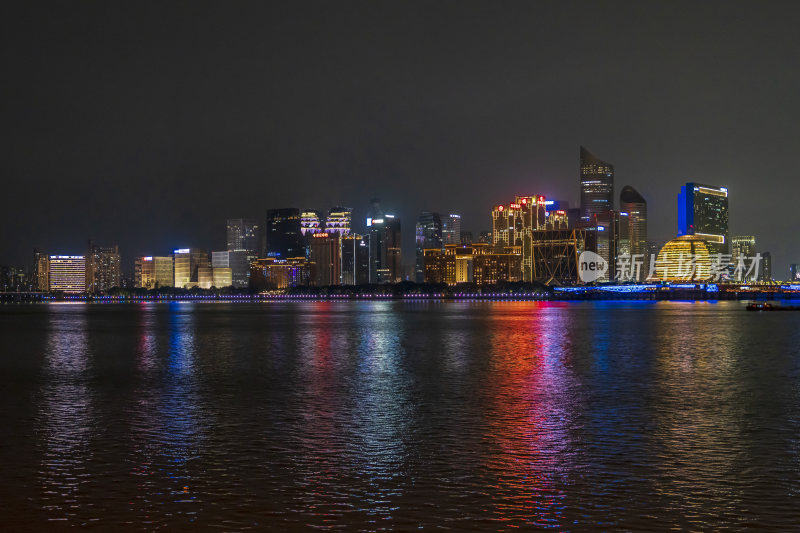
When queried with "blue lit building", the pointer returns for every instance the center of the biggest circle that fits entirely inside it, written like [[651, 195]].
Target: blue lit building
[[703, 211]]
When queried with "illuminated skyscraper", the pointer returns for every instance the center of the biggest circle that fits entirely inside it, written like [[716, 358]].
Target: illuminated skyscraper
[[624, 240], [529, 214], [451, 229], [244, 234], [152, 272], [384, 246], [102, 268], [597, 185], [513, 226], [41, 269], [631, 202], [428, 235], [794, 272], [284, 233], [355, 259], [238, 261], [188, 261], [743, 253], [501, 232], [766, 267], [703, 211], [556, 214], [325, 257], [607, 226], [311, 222], [67, 273], [339, 220]]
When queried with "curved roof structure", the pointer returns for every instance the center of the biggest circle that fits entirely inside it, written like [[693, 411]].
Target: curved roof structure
[[629, 195], [685, 258]]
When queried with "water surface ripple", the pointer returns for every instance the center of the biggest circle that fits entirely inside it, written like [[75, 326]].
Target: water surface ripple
[[364, 416]]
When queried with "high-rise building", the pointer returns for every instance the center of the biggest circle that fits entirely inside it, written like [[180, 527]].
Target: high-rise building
[[339, 220], [634, 204], [355, 259], [428, 235], [743, 257], [152, 272], [466, 238], [703, 211], [597, 185], [512, 225], [794, 272], [607, 225], [311, 222], [67, 273], [187, 263], [102, 268], [231, 268], [325, 257], [41, 267], [556, 213], [502, 234], [238, 261], [624, 238], [557, 220], [451, 229], [284, 233], [440, 265], [244, 234], [766, 266], [527, 214], [384, 246]]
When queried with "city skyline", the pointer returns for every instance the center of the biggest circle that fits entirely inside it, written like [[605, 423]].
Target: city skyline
[[156, 152], [627, 224]]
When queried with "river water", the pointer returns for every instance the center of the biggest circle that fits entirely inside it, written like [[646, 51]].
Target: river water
[[368, 416]]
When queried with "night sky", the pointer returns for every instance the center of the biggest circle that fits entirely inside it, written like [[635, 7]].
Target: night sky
[[147, 124]]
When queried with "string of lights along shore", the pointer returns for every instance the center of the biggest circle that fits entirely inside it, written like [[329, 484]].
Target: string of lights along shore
[[532, 239]]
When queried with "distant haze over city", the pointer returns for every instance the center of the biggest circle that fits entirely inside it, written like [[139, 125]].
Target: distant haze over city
[[148, 125]]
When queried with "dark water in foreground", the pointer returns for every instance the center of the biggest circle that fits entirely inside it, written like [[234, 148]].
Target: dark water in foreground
[[393, 415]]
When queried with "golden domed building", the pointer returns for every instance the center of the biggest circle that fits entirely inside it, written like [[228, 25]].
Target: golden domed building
[[685, 258]]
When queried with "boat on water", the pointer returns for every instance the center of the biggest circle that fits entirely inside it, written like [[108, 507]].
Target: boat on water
[[771, 307]]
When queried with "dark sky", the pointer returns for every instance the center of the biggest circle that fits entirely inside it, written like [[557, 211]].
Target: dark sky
[[148, 123]]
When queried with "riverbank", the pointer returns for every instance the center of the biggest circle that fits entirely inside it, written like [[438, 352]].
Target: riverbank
[[607, 292]]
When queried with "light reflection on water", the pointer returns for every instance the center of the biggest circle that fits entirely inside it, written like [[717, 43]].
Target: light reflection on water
[[65, 422], [393, 415], [166, 426]]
